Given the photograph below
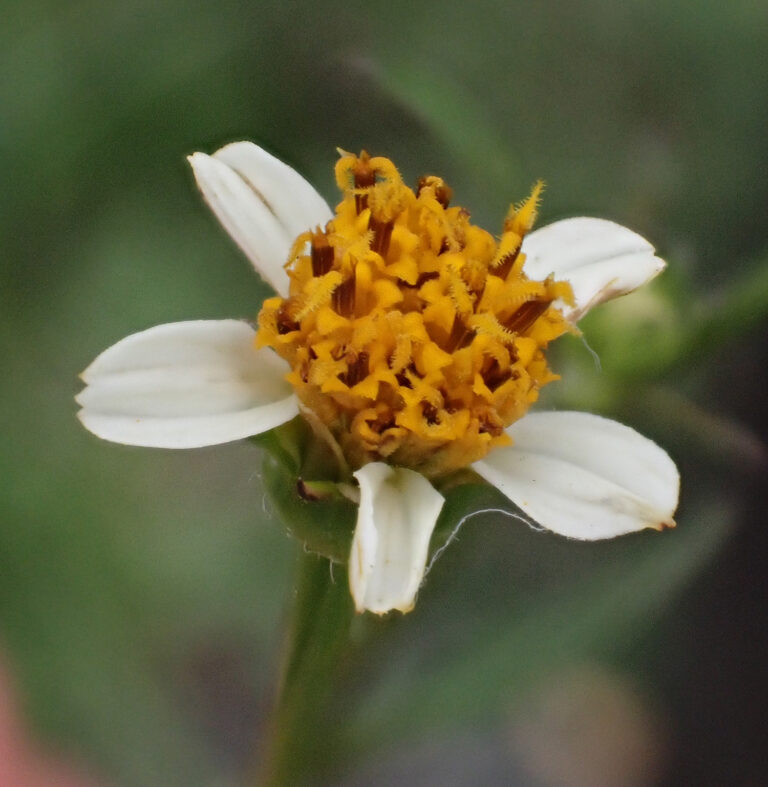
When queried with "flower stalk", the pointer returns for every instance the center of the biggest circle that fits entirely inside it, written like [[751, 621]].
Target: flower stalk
[[301, 735]]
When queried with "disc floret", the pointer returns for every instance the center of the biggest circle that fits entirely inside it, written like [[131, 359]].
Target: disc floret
[[412, 334]]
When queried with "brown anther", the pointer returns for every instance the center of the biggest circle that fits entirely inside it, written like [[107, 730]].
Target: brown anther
[[322, 255], [343, 298], [424, 277], [490, 424], [443, 192], [460, 336], [494, 376], [526, 315], [505, 266], [365, 178], [285, 323], [382, 423], [403, 380], [430, 414], [357, 370], [382, 234]]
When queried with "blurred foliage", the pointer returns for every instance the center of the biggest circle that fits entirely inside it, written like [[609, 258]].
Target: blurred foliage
[[142, 593]]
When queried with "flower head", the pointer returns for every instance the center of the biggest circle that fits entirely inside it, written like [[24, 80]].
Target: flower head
[[411, 333], [414, 343]]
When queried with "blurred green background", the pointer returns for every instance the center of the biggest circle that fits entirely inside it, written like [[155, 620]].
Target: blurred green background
[[144, 594]]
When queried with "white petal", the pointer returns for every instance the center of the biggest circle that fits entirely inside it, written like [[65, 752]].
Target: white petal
[[186, 385], [398, 512], [246, 218], [600, 259], [584, 476], [294, 202]]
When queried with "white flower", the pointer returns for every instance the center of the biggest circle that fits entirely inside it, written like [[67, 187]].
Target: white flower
[[199, 383]]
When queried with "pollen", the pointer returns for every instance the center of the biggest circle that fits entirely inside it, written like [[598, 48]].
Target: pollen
[[413, 335]]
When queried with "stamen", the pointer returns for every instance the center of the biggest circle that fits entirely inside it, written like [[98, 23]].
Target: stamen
[[527, 315], [505, 266], [382, 234], [357, 370], [443, 193], [494, 376], [365, 177], [424, 277], [459, 337], [322, 255], [424, 360], [285, 324], [490, 424], [403, 380], [343, 298]]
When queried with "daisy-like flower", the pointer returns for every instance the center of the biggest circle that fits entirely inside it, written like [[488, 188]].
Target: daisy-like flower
[[413, 342]]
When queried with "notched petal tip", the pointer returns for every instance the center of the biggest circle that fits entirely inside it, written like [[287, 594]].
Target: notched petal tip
[[584, 476], [261, 202], [185, 385], [599, 258], [245, 216], [397, 514]]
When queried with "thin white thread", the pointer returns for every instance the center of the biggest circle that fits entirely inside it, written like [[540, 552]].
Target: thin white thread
[[455, 531], [595, 356]]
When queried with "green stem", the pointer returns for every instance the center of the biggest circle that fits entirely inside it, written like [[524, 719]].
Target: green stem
[[301, 734]]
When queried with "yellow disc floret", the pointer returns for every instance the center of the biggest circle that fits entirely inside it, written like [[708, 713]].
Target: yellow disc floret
[[413, 335]]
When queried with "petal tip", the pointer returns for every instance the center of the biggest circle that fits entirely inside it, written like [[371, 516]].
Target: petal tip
[[239, 145], [196, 157], [397, 514]]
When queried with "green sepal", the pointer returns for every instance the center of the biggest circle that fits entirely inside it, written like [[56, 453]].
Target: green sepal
[[324, 527], [286, 443]]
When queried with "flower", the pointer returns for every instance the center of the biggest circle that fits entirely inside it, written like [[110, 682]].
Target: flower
[[413, 342]]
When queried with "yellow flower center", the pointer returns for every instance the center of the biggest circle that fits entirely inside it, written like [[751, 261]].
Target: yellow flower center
[[412, 334]]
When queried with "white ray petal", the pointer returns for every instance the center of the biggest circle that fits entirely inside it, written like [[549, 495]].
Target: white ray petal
[[584, 476], [600, 259], [398, 512], [186, 385], [246, 217], [292, 199]]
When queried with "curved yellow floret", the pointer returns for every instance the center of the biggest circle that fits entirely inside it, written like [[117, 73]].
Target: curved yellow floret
[[415, 336]]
